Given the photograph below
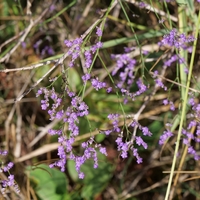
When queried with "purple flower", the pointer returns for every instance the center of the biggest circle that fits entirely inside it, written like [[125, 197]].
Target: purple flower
[[10, 180], [146, 131], [23, 45], [141, 86], [98, 45], [108, 90], [78, 41], [97, 84], [81, 175], [126, 75], [135, 153], [191, 150], [99, 32], [159, 83], [165, 101], [174, 39], [124, 154], [3, 152], [172, 106], [191, 124], [103, 150], [86, 77], [106, 132], [171, 60], [8, 167], [59, 114], [44, 104], [191, 101], [142, 4], [166, 135], [139, 142]]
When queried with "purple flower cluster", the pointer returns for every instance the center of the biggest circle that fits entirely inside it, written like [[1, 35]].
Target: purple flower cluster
[[90, 152], [142, 4], [165, 136], [75, 49], [115, 120], [99, 32], [97, 84], [125, 69], [174, 39], [47, 50], [71, 116], [195, 107], [126, 65], [50, 95], [10, 182], [124, 146], [179, 41], [167, 102], [77, 109], [189, 137], [142, 87]]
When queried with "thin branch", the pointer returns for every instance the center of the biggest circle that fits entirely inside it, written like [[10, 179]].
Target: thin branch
[[26, 32]]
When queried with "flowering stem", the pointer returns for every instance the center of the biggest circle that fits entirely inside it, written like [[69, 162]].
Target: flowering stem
[[183, 113]]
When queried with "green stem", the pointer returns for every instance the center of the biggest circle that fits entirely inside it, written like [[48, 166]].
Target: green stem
[[183, 54]]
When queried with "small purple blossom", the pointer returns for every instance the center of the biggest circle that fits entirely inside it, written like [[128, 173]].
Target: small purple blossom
[[135, 153], [103, 150], [191, 101], [165, 101], [159, 83], [97, 46], [8, 167], [98, 84], [99, 32], [108, 90], [146, 131], [3, 152], [140, 142], [86, 77], [141, 86], [172, 106], [125, 62], [107, 132], [166, 135], [174, 39], [142, 4], [23, 45]]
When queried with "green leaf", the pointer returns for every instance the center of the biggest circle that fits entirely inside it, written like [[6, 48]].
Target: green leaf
[[181, 2], [49, 184], [99, 138], [96, 180], [71, 170], [73, 78]]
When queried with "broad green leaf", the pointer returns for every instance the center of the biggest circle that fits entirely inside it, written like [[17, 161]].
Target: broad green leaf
[[181, 2], [99, 138], [71, 170], [96, 180], [49, 184]]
